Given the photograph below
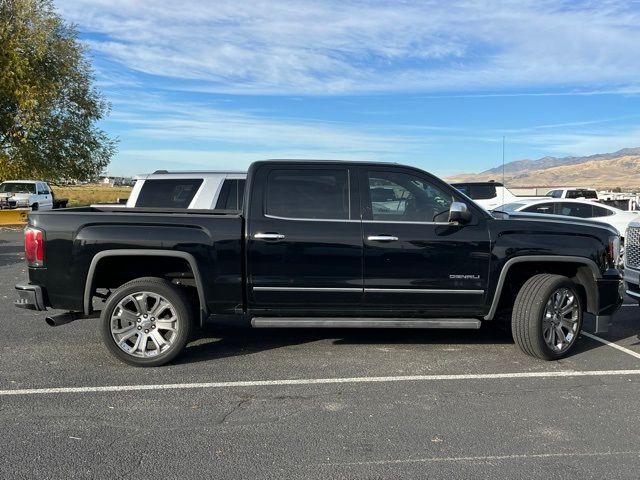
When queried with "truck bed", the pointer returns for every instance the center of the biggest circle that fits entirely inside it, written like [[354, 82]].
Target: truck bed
[[75, 236]]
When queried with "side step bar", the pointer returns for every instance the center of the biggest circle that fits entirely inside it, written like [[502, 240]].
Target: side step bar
[[351, 322]]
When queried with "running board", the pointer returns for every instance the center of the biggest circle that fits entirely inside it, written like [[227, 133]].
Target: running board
[[352, 322]]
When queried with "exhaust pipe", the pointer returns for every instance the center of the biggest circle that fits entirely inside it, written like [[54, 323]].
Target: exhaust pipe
[[62, 318]]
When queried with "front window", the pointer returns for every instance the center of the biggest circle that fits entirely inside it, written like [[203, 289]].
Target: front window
[[401, 197], [17, 187]]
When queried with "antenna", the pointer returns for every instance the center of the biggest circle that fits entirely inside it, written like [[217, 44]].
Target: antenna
[[503, 185]]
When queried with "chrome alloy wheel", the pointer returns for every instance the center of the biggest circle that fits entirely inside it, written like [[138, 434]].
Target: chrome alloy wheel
[[561, 320], [144, 324]]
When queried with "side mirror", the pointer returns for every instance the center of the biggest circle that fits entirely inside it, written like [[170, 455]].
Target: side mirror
[[459, 213]]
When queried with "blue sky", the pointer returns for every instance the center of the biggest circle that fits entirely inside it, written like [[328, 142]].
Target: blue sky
[[218, 84]]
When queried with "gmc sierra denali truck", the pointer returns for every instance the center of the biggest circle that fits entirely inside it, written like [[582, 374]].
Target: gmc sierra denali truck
[[321, 244]]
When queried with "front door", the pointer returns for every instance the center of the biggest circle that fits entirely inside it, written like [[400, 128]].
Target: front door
[[304, 241], [415, 261]]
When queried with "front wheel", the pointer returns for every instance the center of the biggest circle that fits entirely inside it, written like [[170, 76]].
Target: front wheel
[[146, 322], [547, 316]]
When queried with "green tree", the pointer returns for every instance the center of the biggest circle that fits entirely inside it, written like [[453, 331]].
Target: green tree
[[49, 108]]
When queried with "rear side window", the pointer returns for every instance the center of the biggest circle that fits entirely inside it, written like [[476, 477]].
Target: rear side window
[[582, 210], [483, 192], [175, 193], [312, 194], [231, 195]]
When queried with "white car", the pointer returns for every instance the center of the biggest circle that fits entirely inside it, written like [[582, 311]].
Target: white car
[[26, 194], [588, 209]]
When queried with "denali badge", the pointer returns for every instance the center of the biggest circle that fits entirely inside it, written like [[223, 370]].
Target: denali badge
[[464, 277]]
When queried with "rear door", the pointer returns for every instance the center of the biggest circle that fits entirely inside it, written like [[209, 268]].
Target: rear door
[[414, 260], [304, 240]]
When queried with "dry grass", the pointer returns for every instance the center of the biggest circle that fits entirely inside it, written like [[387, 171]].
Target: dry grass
[[88, 194]]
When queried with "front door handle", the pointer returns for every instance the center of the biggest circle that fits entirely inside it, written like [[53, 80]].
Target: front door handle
[[269, 236], [382, 238]]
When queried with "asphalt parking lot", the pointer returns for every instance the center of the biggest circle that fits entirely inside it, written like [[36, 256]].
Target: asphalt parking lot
[[245, 403]]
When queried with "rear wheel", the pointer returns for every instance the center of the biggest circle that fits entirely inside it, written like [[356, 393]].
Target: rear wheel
[[547, 316], [146, 322]]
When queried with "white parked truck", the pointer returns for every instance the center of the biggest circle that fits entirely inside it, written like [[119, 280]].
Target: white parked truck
[[26, 194]]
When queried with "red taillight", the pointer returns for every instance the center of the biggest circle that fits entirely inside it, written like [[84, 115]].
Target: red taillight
[[34, 247]]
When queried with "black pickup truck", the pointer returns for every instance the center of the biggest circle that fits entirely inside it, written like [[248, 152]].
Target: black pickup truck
[[321, 244]]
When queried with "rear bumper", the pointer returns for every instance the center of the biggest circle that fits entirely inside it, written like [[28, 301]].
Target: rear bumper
[[30, 297]]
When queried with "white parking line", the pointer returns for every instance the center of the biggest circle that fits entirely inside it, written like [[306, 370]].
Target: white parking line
[[320, 381], [629, 305], [488, 458], [611, 344]]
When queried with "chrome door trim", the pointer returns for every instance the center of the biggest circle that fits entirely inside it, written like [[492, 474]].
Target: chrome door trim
[[275, 217], [306, 289], [423, 290]]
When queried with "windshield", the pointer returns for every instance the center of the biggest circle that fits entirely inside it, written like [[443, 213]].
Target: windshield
[[509, 207], [17, 187]]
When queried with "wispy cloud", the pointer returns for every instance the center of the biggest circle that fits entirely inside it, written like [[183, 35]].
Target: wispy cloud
[[337, 47]]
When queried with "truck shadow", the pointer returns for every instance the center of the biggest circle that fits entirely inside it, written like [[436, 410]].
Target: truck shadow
[[217, 342]]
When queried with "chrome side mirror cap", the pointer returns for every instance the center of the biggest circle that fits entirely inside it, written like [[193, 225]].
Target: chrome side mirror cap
[[459, 213]]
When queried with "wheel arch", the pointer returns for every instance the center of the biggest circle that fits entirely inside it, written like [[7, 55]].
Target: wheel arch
[[583, 271], [187, 257]]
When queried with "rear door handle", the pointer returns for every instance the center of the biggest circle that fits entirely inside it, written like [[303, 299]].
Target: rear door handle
[[269, 236], [382, 238]]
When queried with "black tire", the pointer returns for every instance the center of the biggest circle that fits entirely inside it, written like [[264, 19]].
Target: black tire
[[529, 311], [34, 207], [180, 306]]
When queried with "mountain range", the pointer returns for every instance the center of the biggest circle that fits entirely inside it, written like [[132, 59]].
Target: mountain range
[[602, 171]]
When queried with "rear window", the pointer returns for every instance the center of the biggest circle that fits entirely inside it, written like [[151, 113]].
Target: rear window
[[482, 192], [231, 195], [477, 192], [582, 193], [176, 193], [312, 194]]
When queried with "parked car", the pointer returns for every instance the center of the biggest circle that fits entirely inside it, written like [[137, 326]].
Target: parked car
[[573, 192], [309, 248], [193, 190], [28, 194], [576, 208], [632, 260]]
